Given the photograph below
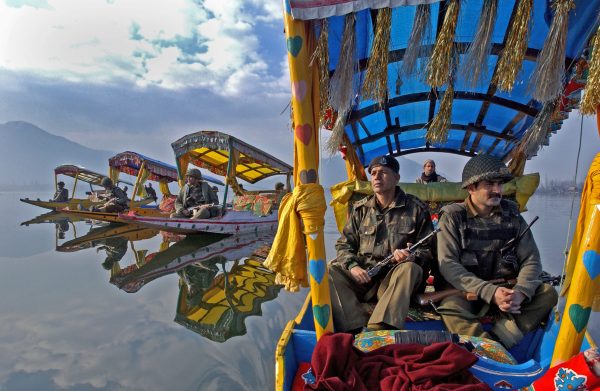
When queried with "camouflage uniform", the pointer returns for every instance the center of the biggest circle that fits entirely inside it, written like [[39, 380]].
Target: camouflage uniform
[[369, 236], [118, 205], [191, 196], [61, 195], [469, 253]]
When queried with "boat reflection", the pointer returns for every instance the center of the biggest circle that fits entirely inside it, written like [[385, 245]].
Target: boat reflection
[[63, 223]]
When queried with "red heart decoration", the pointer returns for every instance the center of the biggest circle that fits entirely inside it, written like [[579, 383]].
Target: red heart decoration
[[304, 133]]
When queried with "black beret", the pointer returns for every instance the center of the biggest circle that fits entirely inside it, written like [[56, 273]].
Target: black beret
[[386, 161]]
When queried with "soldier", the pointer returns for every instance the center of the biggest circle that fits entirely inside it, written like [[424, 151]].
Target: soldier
[[472, 234], [61, 194], [151, 192], [196, 200], [279, 192], [379, 225], [429, 175], [115, 198]]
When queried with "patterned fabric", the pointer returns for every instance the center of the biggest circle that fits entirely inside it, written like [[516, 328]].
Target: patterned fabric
[[483, 347], [260, 205]]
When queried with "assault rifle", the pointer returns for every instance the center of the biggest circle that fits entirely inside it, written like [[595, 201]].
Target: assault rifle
[[433, 297], [376, 269]]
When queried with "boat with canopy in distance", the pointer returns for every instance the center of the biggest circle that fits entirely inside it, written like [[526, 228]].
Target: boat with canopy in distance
[[144, 169], [225, 155], [79, 174], [370, 72]]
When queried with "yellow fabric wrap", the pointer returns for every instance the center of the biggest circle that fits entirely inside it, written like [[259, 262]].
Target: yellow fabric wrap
[[182, 165], [164, 188], [304, 207], [590, 197], [522, 188], [143, 175], [113, 174]]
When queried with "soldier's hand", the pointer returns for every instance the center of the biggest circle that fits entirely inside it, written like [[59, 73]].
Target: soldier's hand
[[186, 212], [360, 274], [515, 303], [503, 298], [402, 255]]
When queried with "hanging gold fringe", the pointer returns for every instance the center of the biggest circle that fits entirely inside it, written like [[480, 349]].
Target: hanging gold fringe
[[321, 56], [438, 69], [337, 134], [591, 94], [536, 135], [476, 59], [375, 84], [511, 57], [341, 86], [546, 81], [414, 49], [438, 129]]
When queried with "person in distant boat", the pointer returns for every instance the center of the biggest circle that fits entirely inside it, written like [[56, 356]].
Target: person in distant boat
[[61, 194], [150, 192], [279, 192], [114, 198], [472, 234], [196, 199], [125, 189], [380, 225], [429, 175]]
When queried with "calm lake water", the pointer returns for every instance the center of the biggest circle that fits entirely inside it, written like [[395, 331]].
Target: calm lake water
[[65, 324]]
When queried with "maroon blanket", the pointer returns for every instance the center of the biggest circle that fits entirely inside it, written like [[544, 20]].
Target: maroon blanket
[[439, 367]]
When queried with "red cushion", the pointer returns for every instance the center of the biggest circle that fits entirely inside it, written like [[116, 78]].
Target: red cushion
[[298, 384]]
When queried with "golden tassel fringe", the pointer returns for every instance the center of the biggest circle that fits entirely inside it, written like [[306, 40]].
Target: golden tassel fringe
[[591, 94], [341, 86], [546, 81], [476, 58], [321, 56], [511, 57], [414, 49], [537, 134], [438, 129], [438, 69], [375, 84], [337, 134]]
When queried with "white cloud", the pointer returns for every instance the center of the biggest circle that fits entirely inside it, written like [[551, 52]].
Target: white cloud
[[175, 44]]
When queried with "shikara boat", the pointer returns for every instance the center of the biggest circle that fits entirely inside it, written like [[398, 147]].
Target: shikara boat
[[497, 77], [144, 169], [79, 174], [225, 155]]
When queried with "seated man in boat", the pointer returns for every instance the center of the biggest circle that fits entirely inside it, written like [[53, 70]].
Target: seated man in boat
[[114, 198], [279, 192], [472, 234], [61, 194], [379, 225], [429, 175], [196, 200], [150, 192]]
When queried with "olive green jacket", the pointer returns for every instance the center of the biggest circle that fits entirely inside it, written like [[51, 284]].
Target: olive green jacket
[[468, 252], [190, 196], [371, 234]]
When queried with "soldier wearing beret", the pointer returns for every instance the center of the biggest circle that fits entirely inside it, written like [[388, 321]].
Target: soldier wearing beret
[[472, 234], [378, 226], [196, 198]]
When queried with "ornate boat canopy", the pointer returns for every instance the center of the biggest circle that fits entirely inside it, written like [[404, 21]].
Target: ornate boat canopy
[[82, 174], [453, 76], [130, 163], [212, 150]]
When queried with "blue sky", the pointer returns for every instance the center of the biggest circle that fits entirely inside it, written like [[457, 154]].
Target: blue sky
[[139, 74]]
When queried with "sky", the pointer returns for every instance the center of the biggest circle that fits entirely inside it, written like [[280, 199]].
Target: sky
[[139, 74]]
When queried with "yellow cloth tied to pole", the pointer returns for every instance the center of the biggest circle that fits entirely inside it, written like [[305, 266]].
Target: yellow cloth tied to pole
[[164, 188], [305, 207], [113, 174], [341, 194]]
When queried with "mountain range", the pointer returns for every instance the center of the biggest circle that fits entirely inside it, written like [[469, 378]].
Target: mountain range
[[29, 154]]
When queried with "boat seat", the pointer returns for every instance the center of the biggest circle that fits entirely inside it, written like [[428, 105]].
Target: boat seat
[[259, 204]]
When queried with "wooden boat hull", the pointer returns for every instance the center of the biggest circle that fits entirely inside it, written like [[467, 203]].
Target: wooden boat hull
[[232, 223], [129, 232], [534, 353], [114, 217], [72, 204]]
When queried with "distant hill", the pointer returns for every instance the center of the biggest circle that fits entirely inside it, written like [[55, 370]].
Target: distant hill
[[29, 154], [333, 170]]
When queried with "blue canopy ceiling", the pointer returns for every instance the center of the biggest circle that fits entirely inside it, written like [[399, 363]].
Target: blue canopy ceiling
[[483, 119]]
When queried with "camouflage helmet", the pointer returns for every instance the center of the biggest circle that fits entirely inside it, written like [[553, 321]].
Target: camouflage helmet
[[106, 182], [194, 172], [484, 167]]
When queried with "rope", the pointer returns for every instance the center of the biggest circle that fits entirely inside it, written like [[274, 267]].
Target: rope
[[566, 250]]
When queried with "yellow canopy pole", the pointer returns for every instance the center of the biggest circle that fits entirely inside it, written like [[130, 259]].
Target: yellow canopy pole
[[305, 106], [584, 281], [137, 182]]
